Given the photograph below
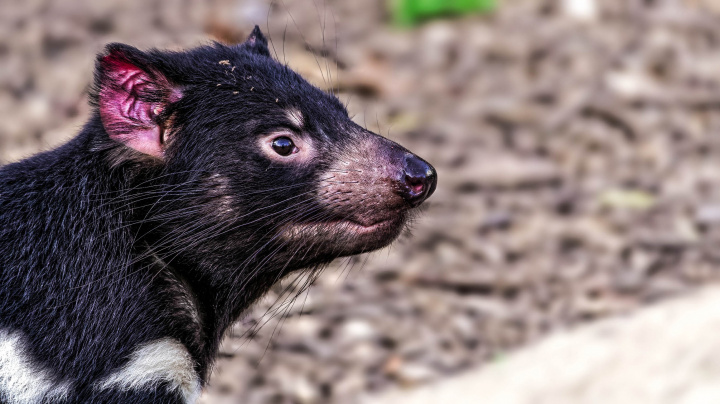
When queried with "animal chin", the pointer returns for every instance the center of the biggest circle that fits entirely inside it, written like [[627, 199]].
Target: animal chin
[[346, 236]]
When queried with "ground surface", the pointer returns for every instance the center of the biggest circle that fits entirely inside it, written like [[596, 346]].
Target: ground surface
[[665, 354], [577, 148]]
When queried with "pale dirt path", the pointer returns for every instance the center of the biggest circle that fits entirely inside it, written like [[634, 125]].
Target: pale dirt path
[[664, 354]]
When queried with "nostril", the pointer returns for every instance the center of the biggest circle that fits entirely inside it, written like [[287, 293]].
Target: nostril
[[416, 184]]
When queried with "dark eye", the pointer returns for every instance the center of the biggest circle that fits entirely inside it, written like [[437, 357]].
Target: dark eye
[[284, 146]]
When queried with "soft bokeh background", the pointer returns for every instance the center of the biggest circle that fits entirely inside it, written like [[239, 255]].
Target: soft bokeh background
[[576, 142]]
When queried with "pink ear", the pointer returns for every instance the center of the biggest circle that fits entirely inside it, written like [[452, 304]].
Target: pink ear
[[130, 99]]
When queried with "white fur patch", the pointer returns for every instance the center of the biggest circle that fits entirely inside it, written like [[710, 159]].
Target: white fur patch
[[21, 381], [164, 360], [296, 117]]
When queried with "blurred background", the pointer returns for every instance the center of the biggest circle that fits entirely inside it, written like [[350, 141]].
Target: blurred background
[[577, 144]]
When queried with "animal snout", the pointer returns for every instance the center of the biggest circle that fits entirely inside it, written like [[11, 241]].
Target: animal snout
[[419, 179]]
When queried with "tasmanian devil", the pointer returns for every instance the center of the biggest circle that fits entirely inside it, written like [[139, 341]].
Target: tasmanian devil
[[201, 178]]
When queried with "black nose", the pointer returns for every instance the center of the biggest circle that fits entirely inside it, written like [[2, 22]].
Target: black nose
[[420, 179]]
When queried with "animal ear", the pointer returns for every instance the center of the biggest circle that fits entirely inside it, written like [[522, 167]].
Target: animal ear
[[257, 42], [131, 98]]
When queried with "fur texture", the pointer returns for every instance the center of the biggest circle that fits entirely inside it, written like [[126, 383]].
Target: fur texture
[[201, 179]]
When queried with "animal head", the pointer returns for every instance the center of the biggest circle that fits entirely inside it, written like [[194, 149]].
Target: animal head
[[242, 167]]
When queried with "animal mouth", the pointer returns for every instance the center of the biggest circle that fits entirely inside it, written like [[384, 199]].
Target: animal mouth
[[344, 226], [347, 236]]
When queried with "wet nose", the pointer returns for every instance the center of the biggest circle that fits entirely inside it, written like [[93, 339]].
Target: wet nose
[[420, 179]]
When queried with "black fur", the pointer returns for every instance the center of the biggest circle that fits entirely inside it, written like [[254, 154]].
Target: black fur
[[101, 246]]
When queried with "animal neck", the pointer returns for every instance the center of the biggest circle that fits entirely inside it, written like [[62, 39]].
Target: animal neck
[[211, 297]]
